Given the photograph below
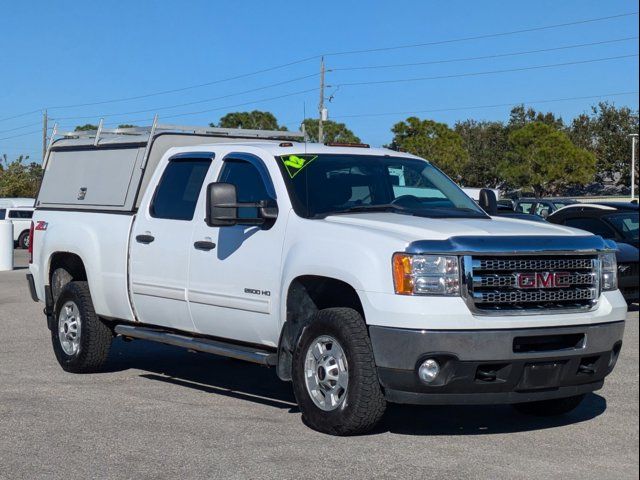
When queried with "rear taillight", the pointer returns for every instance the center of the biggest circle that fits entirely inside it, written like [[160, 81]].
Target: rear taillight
[[31, 242]]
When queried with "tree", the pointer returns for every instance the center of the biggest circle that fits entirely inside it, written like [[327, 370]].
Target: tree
[[521, 116], [334, 132], [255, 120], [545, 160], [605, 133], [126, 125], [85, 127], [433, 141], [18, 179], [487, 145]]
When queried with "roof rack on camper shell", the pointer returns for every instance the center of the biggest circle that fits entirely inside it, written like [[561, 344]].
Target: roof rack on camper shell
[[122, 161]]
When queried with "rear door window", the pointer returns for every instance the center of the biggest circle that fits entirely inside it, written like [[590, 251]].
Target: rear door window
[[3, 213], [179, 188], [593, 225], [25, 214]]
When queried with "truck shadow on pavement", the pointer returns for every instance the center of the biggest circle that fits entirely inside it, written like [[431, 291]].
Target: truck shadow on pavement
[[254, 383]]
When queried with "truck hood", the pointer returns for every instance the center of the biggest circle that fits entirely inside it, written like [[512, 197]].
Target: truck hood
[[412, 228]]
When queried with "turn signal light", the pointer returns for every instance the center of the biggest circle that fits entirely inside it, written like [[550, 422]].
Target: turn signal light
[[402, 278]]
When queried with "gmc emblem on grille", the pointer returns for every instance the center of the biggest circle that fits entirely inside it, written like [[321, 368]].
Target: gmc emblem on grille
[[543, 280]]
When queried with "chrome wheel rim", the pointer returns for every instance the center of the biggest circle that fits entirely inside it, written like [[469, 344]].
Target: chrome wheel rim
[[326, 373], [69, 328]]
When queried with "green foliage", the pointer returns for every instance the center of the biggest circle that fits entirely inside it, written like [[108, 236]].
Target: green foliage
[[521, 116], [126, 125], [333, 131], [487, 144], [605, 133], [433, 141], [18, 179], [85, 127], [255, 120], [544, 159]]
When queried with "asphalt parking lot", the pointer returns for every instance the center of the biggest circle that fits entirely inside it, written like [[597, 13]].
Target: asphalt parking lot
[[162, 412]]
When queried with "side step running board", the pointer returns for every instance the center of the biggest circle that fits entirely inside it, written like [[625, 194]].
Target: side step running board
[[240, 352]]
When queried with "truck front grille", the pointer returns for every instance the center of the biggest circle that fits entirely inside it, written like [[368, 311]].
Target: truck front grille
[[537, 284]]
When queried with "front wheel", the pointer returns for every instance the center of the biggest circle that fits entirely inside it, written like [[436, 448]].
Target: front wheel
[[334, 374], [549, 408], [81, 341]]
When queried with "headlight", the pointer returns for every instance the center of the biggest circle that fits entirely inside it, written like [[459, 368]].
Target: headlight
[[608, 272], [426, 274]]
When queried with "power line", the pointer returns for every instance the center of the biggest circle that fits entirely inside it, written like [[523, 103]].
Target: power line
[[21, 135], [479, 37], [167, 107], [469, 74], [495, 105], [19, 128], [229, 106], [488, 72], [345, 52], [24, 114], [484, 57], [190, 87]]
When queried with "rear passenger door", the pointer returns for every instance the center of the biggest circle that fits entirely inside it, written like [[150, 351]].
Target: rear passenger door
[[161, 244]]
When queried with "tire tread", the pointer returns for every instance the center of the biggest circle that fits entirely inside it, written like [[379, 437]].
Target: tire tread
[[96, 337]]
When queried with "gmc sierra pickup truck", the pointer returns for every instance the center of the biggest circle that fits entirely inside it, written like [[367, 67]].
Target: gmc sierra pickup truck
[[364, 276]]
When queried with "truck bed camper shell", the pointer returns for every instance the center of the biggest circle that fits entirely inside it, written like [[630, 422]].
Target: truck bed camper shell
[[105, 169]]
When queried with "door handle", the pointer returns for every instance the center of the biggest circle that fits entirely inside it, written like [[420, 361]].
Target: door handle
[[146, 239], [204, 245]]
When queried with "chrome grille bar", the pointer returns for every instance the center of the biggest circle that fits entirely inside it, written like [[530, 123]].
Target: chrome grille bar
[[534, 264], [535, 296], [495, 280]]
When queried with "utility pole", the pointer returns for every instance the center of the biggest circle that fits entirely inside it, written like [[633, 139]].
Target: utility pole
[[633, 165], [44, 135], [321, 109]]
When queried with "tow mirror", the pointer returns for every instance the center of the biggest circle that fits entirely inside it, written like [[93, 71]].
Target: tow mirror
[[488, 201], [223, 206]]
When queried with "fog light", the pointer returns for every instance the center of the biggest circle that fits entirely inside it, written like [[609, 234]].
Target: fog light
[[429, 370]]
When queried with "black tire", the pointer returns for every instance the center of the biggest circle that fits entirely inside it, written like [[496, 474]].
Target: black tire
[[364, 403], [23, 240], [95, 337], [550, 408]]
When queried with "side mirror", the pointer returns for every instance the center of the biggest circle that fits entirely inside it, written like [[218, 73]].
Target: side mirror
[[223, 206], [488, 201]]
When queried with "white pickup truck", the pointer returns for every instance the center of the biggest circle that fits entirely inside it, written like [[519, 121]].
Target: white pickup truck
[[363, 275]]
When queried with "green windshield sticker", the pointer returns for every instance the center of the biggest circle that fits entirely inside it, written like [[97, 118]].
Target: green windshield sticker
[[295, 163]]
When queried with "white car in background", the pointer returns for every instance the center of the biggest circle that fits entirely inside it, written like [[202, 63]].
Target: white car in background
[[21, 219]]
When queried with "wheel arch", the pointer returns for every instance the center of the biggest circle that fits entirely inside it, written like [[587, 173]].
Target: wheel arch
[[69, 261], [305, 295]]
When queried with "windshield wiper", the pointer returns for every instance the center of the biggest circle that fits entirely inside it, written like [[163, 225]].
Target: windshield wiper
[[383, 207]]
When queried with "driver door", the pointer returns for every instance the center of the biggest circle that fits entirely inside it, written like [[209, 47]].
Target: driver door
[[232, 285]]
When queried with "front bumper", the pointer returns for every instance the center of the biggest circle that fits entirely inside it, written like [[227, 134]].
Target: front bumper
[[495, 366]]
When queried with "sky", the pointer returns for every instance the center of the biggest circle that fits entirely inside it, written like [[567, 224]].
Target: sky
[[118, 59]]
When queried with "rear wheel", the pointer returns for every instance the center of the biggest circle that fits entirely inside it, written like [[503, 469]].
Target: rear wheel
[[334, 374], [550, 408], [23, 240], [81, 341]]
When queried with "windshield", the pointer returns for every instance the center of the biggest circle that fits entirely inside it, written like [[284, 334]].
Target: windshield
[[626, 223], [322, 185]]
